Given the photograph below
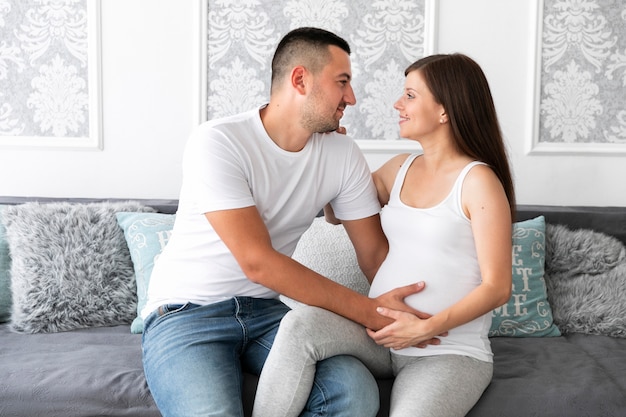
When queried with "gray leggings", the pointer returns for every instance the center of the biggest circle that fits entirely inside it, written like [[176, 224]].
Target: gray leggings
[[445, 385]]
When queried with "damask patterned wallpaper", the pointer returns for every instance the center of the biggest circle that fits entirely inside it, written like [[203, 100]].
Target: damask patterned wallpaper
[[385, 37], [583, 72], [44, 68]]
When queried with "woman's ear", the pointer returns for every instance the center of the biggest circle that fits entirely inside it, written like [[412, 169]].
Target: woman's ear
[[443, 117]]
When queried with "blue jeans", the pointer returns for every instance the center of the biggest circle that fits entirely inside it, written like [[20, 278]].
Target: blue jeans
[[194, 357]]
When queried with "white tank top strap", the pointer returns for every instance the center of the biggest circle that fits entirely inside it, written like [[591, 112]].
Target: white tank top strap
[[458, 185]]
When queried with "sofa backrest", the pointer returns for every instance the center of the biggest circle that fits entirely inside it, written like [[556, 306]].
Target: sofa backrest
[[608, 220]]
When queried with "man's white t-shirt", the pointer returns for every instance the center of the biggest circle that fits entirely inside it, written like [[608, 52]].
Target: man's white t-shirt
[[232, 163]]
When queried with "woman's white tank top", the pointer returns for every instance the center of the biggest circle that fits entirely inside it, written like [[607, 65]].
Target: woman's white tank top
[[434, 245]]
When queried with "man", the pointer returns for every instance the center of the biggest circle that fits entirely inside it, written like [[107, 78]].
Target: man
[[252, 184]]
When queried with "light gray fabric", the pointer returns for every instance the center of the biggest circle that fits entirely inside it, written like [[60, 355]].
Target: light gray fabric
[[57, 375], [71, 267], [439, 385], [80, 373], [310, 334], [574, 375], [307, 335], [586, 281]]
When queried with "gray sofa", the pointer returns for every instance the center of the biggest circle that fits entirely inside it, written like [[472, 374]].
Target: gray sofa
[[96, 371]]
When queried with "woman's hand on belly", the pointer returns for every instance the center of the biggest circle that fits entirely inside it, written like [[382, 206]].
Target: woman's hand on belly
[[406, 330]]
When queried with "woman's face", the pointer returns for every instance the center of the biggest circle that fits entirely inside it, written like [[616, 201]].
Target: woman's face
[[420, 114]]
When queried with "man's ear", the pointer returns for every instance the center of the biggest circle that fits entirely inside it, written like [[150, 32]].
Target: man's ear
[[298, 79]]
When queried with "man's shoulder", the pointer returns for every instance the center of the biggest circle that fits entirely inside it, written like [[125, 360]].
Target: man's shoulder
[[235, 120], [225, 130]]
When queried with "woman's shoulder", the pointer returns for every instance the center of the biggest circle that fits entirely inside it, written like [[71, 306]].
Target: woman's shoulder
[[480, 172], [397, 161], [482, 185], [389, 169]]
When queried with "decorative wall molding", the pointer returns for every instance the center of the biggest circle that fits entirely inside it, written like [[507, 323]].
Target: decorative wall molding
[[50, 82], [580, 78], [237, 40]]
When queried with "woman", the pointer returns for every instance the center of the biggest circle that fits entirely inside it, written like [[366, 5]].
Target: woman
[[447, 213]]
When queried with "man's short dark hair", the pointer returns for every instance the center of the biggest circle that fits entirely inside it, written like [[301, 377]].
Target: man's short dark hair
[[307, 46]]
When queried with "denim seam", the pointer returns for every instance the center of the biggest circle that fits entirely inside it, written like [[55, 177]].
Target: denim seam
[[244, 329]]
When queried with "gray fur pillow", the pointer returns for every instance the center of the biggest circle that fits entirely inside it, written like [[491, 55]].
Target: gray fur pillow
[[586, 281], [71, 267]]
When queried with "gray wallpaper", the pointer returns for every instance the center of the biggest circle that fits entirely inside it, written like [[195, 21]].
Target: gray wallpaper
[[44, 68], [583, 72], [44, 65], [385, 37]]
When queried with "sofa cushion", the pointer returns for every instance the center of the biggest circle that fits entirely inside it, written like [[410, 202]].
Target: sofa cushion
[[70, 266], [146, 235], [574, 375], [327, 250], [586, 280], [80, 373], [527, 313], [5, 276]]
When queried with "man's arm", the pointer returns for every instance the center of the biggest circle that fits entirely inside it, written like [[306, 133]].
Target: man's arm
[[370, 243], [368, 239], [246, 236]]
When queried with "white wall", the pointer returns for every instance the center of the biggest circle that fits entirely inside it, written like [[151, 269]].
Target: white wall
[[149, 76], [148, 60]]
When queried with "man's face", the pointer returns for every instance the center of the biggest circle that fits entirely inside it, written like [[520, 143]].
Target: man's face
[[330, 93]]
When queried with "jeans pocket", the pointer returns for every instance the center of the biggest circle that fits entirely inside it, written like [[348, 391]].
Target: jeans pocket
[[167, 309], [161, 314]]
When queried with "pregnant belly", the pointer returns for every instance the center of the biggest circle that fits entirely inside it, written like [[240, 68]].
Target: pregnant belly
[[440, 291]]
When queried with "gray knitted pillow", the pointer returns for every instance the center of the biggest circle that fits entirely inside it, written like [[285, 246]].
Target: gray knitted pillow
[[586, 281], [326, 249], [71, 267]]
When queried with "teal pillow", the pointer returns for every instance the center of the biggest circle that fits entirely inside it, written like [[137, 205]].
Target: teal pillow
[[527, 313], [5, 276], [146, 235]]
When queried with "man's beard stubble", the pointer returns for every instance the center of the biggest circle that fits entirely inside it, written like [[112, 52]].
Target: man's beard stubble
[[314, 118]]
